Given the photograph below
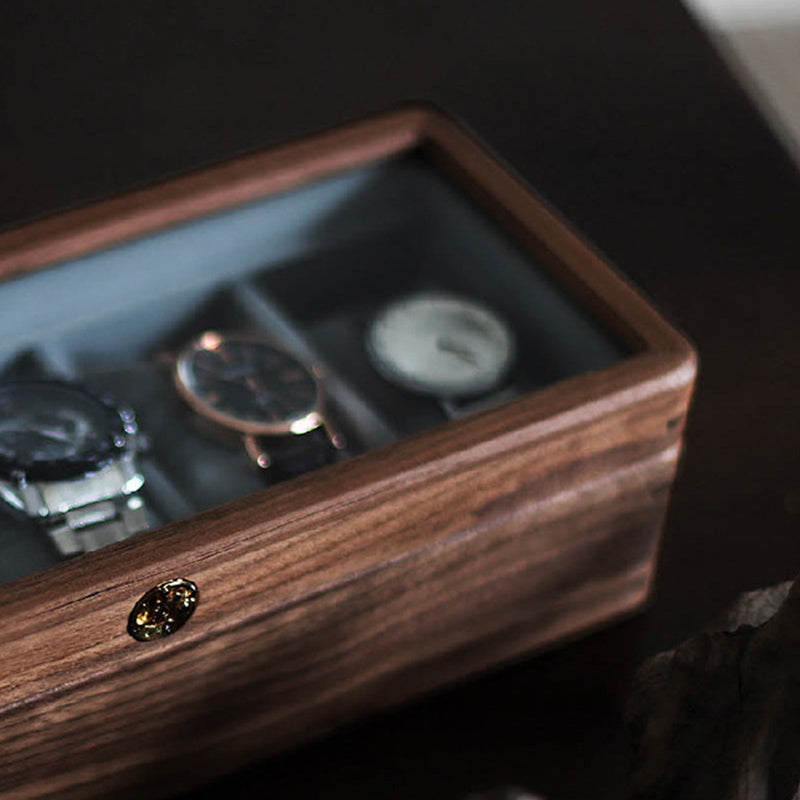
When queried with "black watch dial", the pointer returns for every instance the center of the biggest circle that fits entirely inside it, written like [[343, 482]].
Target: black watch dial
[[54, 431], [246, 384]]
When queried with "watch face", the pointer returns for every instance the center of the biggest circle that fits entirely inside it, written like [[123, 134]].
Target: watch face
[[441, 344], [53, 431], [246, 384]]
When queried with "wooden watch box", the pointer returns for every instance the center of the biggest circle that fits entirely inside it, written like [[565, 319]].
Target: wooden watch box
[[432, 549]]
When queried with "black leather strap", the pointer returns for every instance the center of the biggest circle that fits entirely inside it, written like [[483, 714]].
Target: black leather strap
[[294, 455]]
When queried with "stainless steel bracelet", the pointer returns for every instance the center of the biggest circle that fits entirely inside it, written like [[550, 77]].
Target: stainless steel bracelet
[[96, 525]]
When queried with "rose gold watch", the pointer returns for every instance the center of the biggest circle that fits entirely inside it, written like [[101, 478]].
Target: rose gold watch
[[245, 385]]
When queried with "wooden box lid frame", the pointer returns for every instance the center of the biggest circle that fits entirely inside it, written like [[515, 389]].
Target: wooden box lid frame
[[84, 708]]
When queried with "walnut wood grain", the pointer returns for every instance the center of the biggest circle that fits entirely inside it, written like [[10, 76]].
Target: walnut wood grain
[[362, 584], [316, 660]]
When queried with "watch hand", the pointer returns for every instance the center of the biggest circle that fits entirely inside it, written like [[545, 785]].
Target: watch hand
[[31, 425], [55, 436], [257, 387], [459, 351], [236, 372], [264, 396]]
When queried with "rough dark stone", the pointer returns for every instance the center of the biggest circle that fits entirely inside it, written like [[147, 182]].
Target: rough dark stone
[[719, 716]]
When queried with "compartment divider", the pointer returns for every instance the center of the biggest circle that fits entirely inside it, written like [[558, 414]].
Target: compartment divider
[[360, 416]]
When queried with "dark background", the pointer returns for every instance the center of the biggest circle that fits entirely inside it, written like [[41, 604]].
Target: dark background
[[624, 117]]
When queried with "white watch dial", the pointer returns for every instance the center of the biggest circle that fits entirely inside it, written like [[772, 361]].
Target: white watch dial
[[441, 344]]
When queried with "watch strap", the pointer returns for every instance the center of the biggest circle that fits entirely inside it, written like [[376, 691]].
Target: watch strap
[[90, 527], [295, 454]]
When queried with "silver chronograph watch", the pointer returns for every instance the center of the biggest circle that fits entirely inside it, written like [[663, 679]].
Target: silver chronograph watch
[[443, 345], [246, 386], [68, 462]]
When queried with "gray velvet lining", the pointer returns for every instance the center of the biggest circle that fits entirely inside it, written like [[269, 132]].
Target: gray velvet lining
[[308, 268]]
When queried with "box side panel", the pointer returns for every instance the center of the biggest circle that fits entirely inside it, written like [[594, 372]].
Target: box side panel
[[282, 546], [537, 571]]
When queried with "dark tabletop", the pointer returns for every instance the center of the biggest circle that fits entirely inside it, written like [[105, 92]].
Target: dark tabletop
[[623, 116]]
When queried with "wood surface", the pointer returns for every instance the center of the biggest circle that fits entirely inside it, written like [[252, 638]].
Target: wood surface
[[367, 582]]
